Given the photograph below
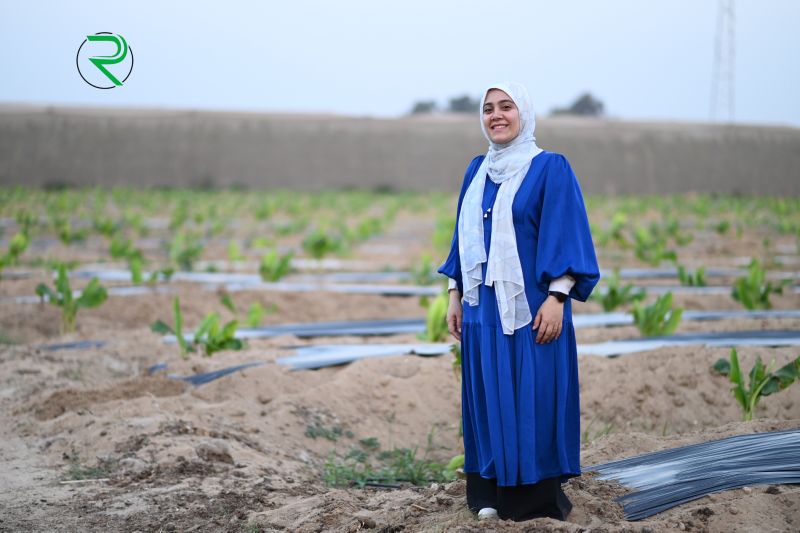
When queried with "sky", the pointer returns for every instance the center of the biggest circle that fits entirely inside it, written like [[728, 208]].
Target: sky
[[643, 59]]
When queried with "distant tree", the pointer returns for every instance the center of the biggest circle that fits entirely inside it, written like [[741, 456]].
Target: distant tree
[[422, 107], [586, 105], [463, 104]]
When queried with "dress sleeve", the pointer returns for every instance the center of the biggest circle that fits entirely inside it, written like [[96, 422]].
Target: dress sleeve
[[452, 265], [565, 243]]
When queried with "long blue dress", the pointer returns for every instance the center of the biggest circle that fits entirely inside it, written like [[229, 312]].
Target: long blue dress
[[520, 405]]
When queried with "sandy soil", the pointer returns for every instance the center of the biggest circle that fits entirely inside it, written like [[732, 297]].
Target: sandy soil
[[89, 441]]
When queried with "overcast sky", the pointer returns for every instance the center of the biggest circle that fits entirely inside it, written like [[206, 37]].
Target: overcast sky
[[644, 59]]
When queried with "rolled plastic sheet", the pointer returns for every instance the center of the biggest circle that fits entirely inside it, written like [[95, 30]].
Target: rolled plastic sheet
[[668, 478]]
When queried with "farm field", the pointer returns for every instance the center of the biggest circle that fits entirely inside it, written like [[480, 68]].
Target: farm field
[[96, 434]]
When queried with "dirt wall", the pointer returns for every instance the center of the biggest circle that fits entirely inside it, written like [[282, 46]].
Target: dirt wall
[[147, 147]]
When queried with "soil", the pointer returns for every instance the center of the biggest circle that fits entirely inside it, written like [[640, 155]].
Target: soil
[[91, 441]]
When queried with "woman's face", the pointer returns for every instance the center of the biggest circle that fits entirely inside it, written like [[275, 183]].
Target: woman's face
[[500, 117]]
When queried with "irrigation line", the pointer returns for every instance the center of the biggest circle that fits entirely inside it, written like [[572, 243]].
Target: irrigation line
[[671, 477], [313, 357], [721, 339], [206, 377], [417, 325]]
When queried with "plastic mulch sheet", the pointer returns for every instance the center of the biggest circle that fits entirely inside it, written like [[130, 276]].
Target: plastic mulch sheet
[[668, 478], [310, 357], [725, 339]]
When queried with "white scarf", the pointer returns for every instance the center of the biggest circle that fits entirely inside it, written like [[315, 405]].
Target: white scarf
[[507, 165]]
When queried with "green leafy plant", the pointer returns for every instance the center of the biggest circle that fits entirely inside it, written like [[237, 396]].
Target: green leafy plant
[[274, 266], [672, 228], [763, 381], [722, 227], [367, 463], [164, 273], [435, 323], [255, 313], [66, 234], [692, 279], [616, 295], [651, 245], [61, 295], [753, 290], [443, 232], [320, 243], [105, 225], [422, 271], [658, 318], [234, 252], [185, 250], [211, 335], [368, 227], [17, 245], [162, 328]]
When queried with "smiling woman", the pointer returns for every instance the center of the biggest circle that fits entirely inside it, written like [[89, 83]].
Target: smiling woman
[[500, 117], [521, 243]]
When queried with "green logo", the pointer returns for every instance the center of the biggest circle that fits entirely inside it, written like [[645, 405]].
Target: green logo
[[99, 70]]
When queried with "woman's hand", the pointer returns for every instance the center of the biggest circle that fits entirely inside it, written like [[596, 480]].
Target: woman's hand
[[549, 320], [454, 313]]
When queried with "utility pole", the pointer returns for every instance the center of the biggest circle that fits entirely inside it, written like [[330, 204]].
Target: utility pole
[[723, 77]]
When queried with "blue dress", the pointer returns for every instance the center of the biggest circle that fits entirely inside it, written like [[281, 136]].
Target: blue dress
[[520, 405]]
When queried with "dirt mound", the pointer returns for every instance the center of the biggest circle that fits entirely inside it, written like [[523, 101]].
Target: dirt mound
[[76, 399]]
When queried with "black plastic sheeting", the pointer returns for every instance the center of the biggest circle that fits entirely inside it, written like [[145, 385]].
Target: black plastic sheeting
[[206, 377], [320, 356], [333, 329], [76, 345], [669, 478]]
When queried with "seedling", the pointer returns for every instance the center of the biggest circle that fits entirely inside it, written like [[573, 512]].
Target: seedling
[[93, 295], [753, 291], [366, 463], [658, 318], [722, 227], [274, 266], [443, 232], [617, 295], [422, 272], [17, 245], [368, 227], [436, 323], [234, 252], [211, 335], [105, 225], [185, 250], [66, 234], [164, 273], [763, 381], [255, 313], [692, 279], [120, 246], [162, 328], [320, 243], [651, 246]]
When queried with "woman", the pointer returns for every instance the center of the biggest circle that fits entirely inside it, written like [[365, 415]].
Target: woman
[[521, 244]]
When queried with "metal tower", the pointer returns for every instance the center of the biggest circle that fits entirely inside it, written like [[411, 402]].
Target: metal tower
[[723, 79]]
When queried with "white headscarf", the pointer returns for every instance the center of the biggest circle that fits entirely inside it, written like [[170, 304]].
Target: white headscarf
[[507, 165]]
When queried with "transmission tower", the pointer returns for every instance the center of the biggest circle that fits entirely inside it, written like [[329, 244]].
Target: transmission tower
[[723, 80]]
